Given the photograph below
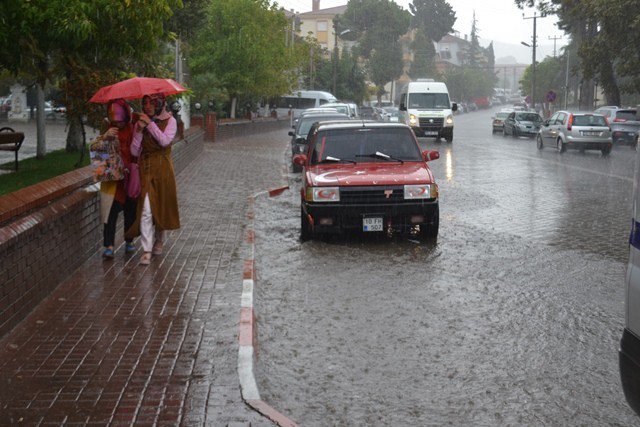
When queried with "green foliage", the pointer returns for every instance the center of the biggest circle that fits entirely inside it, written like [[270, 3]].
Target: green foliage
[[350, 77], [468, 83], [377, 25], [434, 17], [242, 49], [424, 54], [550, 75]]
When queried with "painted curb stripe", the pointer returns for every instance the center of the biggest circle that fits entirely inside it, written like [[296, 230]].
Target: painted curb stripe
[[247, 336]]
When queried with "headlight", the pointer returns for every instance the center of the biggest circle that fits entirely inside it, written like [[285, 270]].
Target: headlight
[[302, 148], [420, 191], [449, 119], [323, 194], [412, 120]]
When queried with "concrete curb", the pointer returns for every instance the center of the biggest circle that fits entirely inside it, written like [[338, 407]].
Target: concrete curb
[[247, 336]]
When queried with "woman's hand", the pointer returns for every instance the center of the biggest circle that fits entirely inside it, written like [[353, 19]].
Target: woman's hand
[[111, 133], [143, 121]]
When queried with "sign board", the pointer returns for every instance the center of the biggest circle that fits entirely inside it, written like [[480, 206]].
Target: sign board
[[551, 96]]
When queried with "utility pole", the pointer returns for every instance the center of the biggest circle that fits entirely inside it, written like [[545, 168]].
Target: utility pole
[[566, 81], [554, 38], [533, 61]]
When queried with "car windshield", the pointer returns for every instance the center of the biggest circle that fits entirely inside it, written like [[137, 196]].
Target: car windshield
[[428, 100], [528, 117], [589, 120], [305, 123], [350, 144], [340, 108]]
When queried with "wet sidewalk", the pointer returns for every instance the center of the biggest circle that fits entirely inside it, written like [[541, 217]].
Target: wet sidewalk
[[118, 343]]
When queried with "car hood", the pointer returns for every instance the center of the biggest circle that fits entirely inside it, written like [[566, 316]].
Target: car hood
[[526, 123], [362, 174]]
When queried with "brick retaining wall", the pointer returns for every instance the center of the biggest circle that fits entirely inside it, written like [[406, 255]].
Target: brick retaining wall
[[49, 229], [228, 130]]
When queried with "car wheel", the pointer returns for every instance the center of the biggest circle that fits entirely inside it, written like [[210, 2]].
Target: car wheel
[[449, 137], [539, 144], [561, 147], [305, 228], [429, 231], [606, 151]]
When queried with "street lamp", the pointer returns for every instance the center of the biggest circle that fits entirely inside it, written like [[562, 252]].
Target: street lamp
[[335, 52]]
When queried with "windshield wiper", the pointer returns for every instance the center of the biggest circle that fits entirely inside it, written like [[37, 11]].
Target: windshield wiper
[[379, 155], [330, 159]]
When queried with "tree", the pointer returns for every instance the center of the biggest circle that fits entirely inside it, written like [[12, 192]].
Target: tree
[[423, 64], [378, 26], [242, 47], [550, 75], [85, 44], [432, 19]]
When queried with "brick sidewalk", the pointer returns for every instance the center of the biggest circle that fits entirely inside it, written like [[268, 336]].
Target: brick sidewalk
[[120, 343]]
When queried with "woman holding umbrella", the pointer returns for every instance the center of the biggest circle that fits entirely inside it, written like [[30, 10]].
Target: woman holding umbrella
[[157, 209]]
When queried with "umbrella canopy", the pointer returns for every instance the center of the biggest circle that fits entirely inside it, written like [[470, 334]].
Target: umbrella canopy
[[136, 88]]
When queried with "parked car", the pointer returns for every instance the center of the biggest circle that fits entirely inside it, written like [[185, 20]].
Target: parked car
[[342, 107], [367, 176], [629, 351], [312, 111], [366, 112], [583, 131], [623, 122], [305, 121], [497, 121], [522, 123]]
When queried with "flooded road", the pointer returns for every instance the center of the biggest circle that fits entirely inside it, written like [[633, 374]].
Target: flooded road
[[512, 317]]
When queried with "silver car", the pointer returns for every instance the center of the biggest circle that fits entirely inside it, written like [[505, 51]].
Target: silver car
[[623, 122], [578, 130]]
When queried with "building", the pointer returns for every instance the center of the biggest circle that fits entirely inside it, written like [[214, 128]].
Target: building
[[319, 24]]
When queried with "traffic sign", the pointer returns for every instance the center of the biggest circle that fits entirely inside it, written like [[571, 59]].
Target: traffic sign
[[551, 96]]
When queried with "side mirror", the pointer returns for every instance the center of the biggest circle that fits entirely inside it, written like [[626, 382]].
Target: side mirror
[[301, 140], [291, 133], [300, 159], [429, 155], [402, 107], [454, 107], [546, 122]]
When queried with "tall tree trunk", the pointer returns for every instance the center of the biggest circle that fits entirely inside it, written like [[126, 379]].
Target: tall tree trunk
[[41, 140], [609, 83], [234, 103], [74, 135]]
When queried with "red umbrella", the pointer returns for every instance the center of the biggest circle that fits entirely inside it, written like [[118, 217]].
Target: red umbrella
[[136, 88]]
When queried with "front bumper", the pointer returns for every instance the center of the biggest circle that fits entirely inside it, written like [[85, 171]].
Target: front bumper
[[629, 359], [528, 131], [338, 217]]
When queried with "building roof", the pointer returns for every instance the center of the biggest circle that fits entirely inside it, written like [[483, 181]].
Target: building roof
[[338, 10], [450, 38]]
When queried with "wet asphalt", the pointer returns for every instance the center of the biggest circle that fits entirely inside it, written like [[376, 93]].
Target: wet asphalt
[[512, 318]]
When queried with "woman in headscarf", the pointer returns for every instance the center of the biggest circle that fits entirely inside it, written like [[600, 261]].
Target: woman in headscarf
[[158, 203], [113, 196]]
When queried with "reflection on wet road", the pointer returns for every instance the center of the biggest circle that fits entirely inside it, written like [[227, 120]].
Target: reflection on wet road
[[513, 317]]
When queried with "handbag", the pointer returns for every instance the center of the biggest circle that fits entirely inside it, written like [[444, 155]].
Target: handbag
[[132, 182], [106, 160]]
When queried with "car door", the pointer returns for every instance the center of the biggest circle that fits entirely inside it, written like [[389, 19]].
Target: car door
[[546, 130], [559, 128]]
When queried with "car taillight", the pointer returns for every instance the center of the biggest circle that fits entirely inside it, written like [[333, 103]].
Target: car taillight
[[570, 123]]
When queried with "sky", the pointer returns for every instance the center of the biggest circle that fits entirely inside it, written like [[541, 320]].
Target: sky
[[499, 21]]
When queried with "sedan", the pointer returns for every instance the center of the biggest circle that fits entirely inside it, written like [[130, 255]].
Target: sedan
[[522, 123], [497, 122]]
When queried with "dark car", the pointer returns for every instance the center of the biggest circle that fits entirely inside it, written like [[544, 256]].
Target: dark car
[[304, 123], [367, 176], [522, 123], [624, 124]]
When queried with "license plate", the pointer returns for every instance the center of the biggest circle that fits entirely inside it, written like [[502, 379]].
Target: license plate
[[371, 224], [587, 133], [431, 132]]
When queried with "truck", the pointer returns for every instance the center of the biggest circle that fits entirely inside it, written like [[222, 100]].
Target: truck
[[425, 107]]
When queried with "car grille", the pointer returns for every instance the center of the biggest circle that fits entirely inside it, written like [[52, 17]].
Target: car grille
[[425, 123], [371, 195]]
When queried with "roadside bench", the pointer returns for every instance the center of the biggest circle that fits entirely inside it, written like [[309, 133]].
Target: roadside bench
[[11, 140]]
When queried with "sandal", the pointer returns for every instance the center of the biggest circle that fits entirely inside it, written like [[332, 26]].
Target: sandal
[[145, 259], [157, 248]]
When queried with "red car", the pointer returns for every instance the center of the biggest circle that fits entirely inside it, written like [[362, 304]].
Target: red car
[[367, 176]]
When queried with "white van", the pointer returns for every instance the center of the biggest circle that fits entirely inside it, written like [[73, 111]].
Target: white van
[[629, 354], [425, 106], [301, 100]]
